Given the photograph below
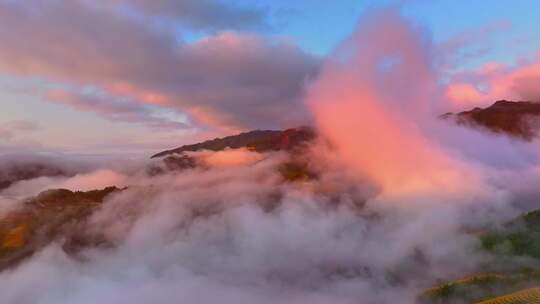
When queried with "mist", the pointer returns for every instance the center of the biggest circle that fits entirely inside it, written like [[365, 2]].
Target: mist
[[388, 215], [252, 238]]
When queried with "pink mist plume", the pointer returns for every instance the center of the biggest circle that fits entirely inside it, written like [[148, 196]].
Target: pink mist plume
[[372, 99]]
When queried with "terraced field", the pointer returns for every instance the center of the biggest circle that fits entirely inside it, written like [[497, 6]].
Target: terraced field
[[527, 296], [481, 286], [509, 245]]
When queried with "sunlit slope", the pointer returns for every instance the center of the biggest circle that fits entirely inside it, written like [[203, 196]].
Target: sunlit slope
[[481, 286], [514, 248], [53, 215], [527, 296]]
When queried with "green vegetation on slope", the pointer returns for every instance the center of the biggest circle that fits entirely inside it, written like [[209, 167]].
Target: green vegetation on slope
[[516, 240], [520, 237]]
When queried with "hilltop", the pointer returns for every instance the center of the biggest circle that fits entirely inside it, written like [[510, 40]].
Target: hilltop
[[515, 118]]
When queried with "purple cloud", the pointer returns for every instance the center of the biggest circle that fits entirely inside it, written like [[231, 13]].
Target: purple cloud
[[9, 130], [113, 109], [230, 79], [209, 15]]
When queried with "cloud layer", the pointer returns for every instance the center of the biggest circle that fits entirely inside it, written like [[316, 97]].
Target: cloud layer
[[494, 81], [250, 240], [10, 129], [209, 15], [227, 80], [236, 232]]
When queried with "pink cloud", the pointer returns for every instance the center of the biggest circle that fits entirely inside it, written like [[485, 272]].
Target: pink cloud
[[464, 95], [125, 89], [208, 15], [10, 129], [245, 80], [374, 112], [112, 108], [228, 157], [495, 81]]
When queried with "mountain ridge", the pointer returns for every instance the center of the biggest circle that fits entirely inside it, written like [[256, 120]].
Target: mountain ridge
[[256, 140], [514, 118]]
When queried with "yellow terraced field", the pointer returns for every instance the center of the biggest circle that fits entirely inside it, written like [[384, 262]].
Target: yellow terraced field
[[527, 296], [472, 279]]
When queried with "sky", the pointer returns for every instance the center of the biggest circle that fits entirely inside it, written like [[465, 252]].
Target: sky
[[140, 76]]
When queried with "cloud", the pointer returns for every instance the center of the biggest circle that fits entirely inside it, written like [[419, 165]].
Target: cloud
[[9, 130], [97, 179], [366, 103], [494, 81], [209, 15], [235, 232], [252, 240], [248, 81], [227, 80], [239, 234], [385, 125], [471, 44], [227, 158], [113, 108], [25, 174]]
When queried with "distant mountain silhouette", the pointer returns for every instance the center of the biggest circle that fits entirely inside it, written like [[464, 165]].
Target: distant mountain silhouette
[[10, 174], [258, 140], [291, 140], [515, 118]]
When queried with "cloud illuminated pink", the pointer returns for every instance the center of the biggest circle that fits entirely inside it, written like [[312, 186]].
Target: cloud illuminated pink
[[373, 111], [494, 81], [244, 79]]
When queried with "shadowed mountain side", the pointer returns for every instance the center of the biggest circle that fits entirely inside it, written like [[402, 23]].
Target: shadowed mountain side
[[52, 215], [514, 118], [259, 141]]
